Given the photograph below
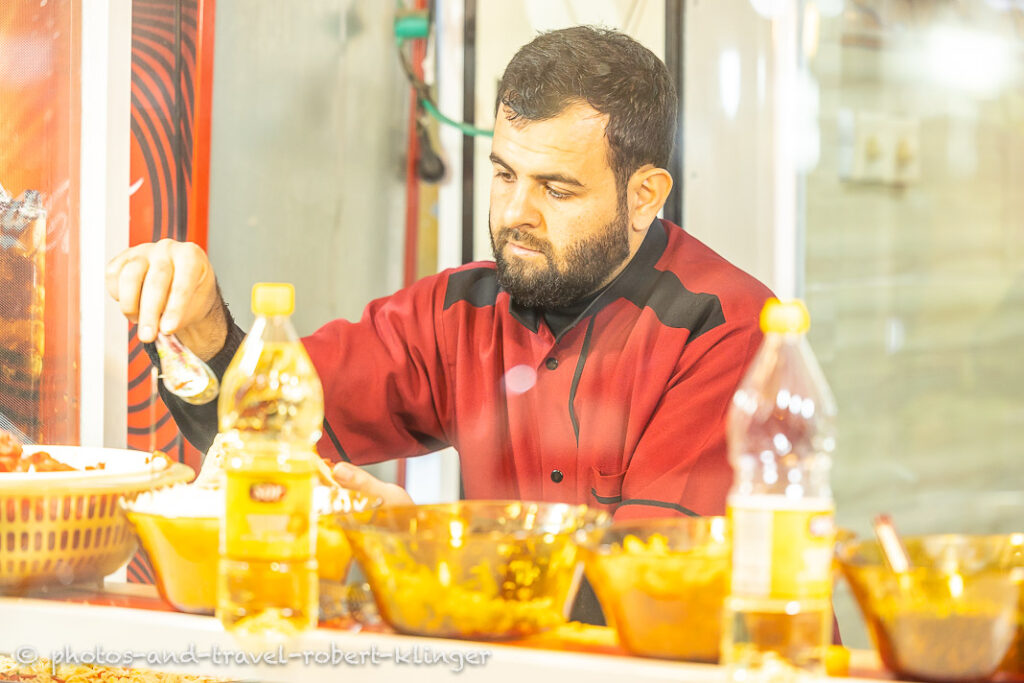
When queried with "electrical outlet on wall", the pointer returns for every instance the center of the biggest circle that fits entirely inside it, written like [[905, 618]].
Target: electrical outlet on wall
[[873, 151], [904, 132], [879, 148]]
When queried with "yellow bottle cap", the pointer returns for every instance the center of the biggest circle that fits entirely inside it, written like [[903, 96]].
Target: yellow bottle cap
[[785, 316], [273, 298]]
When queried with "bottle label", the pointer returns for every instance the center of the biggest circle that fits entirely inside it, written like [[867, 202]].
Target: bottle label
[[269, 516], [782, 549]]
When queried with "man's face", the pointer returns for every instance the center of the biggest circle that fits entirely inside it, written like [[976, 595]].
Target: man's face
[[558, 228]]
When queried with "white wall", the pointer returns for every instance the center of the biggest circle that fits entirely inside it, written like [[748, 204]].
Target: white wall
[[728, 148], [308, 141], [307, 156]]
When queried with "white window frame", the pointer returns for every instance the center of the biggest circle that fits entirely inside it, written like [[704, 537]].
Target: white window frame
[[104, 180]]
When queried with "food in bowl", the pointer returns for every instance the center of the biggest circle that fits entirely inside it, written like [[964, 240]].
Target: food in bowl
[[39, 461], [662, 583], [954, 615], [14, 457], [64, 525], [179, 528], [475, 569]]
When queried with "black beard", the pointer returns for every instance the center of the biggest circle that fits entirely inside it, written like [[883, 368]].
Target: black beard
[[587, 265]]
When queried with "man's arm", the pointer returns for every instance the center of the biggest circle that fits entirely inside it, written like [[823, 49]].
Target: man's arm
[[680, 465], [381, 376], [385, 383]]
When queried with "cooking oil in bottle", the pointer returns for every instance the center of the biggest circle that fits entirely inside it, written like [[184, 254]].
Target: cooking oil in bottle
[[781, 436], [270, 410]]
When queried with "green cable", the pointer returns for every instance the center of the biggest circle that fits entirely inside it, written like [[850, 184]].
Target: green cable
[[414, 27], [464, 127]]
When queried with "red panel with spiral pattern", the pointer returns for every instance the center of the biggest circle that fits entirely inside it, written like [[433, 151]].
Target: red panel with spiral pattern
[[172, 71]]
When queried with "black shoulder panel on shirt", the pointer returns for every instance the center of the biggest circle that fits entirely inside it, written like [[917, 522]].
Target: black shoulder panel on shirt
[[678, 307], [476, 286], [662, 292]]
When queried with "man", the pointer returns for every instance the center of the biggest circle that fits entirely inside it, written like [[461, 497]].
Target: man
[[592, 363]]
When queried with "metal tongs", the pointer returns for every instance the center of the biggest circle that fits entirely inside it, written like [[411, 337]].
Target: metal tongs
[[893, 551], [183, 373]]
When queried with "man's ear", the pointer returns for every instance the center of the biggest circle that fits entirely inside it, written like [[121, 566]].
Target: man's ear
[[648, 191]]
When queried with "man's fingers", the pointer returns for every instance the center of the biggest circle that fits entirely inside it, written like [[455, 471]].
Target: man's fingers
[[356, 479], [352, 477], [189, 272], [155, 290], [112, 275], [129, 286], [165, 286]]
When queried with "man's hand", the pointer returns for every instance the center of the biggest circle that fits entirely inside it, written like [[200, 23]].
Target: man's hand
[[356, 479], [169, 287]]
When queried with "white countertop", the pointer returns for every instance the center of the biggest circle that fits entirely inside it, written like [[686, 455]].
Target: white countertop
[[49, 628], [44, 627]]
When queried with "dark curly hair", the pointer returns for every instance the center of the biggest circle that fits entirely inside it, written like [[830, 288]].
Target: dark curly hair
[[607, 70]]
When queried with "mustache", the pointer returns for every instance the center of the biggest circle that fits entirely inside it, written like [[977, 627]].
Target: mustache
[[523, 238]]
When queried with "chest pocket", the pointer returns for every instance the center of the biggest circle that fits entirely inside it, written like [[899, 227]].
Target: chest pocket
[[605, 490]]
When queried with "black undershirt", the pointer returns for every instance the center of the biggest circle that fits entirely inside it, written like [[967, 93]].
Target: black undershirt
[[560, 320]]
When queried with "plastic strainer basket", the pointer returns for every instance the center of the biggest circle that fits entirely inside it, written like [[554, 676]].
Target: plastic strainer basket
[[67, 527]]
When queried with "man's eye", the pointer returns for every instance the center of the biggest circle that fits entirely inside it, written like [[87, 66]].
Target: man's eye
[[555, 194], [504, 175]]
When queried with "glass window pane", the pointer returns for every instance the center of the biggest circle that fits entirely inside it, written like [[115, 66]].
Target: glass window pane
[[39, 131], [915, 258]]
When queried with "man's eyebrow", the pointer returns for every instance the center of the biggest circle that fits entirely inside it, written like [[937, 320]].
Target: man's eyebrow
[[558, 178], [495, 159], [545, 177]]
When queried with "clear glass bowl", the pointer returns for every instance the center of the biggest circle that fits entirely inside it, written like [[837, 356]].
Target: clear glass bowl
[[662, 584], [956, 615], [474, 569]]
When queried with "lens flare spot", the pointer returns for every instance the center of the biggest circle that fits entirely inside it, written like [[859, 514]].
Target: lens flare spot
[[520, 379]]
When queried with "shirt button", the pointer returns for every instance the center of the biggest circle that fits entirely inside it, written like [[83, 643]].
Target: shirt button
[[551, 363], [557, 476]]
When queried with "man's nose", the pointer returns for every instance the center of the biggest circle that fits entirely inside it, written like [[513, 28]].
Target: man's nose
[[520, 208]]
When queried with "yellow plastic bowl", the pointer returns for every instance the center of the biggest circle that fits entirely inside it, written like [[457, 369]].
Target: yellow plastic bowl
[[473, 569], [184, 551], [662, 584], [956, 615]]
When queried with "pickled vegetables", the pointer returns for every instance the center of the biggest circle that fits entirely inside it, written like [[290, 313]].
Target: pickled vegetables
[[663, 591]]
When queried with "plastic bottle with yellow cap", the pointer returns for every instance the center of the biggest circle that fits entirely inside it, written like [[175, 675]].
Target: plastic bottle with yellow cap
[[271, 413], [781, 435]]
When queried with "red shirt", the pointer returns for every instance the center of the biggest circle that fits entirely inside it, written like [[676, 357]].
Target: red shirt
[[625, 411]]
